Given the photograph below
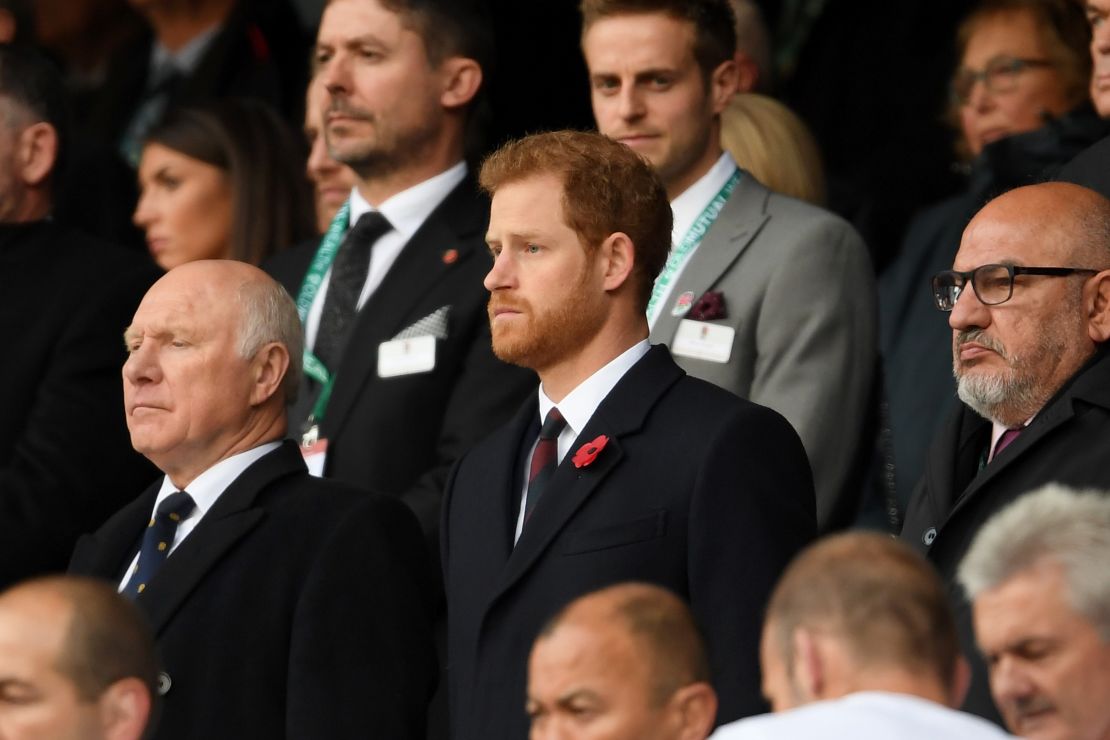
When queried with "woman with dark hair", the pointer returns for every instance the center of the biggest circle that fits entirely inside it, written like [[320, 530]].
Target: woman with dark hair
[[1021, 110], [223, 181]]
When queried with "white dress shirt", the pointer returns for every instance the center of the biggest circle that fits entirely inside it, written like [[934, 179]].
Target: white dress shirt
[[865, 715], [685, 209], [204, 490], [406, 212], [578, 407]]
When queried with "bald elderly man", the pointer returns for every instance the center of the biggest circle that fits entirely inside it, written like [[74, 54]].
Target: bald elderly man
[[283, 605]]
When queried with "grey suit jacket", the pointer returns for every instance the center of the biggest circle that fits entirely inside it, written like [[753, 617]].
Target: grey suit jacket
[[799, 291]]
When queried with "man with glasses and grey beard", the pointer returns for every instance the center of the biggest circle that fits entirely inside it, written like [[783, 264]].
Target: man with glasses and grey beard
[[1028, 298]]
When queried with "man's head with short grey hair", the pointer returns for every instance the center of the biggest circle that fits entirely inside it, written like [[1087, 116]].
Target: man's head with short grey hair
[[1036, 575], [1053, 524], [270, 315]]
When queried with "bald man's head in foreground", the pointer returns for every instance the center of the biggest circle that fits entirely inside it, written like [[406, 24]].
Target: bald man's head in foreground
[[626, 662], [860, 612], [77, 662]]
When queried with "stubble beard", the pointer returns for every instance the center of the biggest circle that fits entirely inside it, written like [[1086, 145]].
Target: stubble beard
[[1012, 396], [385, 151]]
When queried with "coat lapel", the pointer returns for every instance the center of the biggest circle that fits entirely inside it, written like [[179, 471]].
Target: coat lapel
[[415, 274], [104, 552], [739, 222], [622, 413], [230, 519]]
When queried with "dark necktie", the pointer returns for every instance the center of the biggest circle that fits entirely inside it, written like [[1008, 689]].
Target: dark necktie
[[348, 276], [157, 540], [545, 459], [1007, 437]]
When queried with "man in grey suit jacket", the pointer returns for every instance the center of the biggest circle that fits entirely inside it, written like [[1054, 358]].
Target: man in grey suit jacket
[[763, 295]]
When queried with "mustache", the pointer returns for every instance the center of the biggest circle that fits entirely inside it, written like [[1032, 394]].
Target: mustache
[[1028, 705], [980, 336], [344, 108], [497, 302]]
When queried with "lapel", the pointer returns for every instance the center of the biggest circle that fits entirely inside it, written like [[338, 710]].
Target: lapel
[[741, 219], [623, 412], [230, 519], [416, 273], [104, 552], [1089, 385]]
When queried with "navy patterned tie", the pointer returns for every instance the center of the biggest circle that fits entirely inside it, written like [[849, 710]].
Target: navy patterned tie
[[545, 459], [348, 276], [157, 540]]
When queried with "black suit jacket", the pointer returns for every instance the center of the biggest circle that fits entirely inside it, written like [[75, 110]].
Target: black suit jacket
[[1067, 442], [400, 435], [296, 608], [697, 490], [66, 461]]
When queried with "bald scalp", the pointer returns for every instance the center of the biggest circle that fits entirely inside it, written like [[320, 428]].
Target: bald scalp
[[657, 621], [1054, 212]]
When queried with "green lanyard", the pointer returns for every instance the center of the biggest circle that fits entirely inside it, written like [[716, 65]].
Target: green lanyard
[[693, 238], [310, 287]]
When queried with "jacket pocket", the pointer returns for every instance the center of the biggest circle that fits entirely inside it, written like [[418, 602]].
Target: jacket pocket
[[617, 534]]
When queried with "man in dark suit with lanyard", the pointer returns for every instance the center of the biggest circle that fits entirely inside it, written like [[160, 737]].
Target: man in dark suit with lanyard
[[637, 472], [400, 376]]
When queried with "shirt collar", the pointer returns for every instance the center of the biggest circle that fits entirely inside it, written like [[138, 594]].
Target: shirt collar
[[207, 487], [187, 58], [581, 403], [409, 209], [690, 203]]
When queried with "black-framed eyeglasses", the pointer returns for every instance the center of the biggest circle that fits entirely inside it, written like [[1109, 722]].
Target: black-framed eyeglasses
[[999, 76], [993, 284]]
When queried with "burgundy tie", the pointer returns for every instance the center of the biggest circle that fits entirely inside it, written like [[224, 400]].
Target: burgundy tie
[[1007, 437], [545, 459]]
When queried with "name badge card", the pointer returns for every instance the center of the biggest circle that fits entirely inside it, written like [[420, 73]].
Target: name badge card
[[703, 341], [406, 356]]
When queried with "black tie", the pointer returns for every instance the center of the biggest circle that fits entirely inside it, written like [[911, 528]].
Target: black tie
[[157, 540], [348, 276], [545, 459]]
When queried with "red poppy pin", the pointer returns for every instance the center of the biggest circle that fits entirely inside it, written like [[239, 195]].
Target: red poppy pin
[[588, 452], [709, 307]]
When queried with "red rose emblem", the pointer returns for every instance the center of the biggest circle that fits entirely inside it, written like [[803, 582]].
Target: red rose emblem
[[588, 452]]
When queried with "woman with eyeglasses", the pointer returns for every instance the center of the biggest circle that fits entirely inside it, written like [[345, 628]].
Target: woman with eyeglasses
[[1020, 108]]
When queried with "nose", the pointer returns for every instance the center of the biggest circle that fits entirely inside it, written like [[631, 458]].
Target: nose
[[145, 212], [334, 74], [1009, 683], [141, 366], [319, 163], [631, 105], [500, 275], [969, 312], [980, 98], [1100, 36]]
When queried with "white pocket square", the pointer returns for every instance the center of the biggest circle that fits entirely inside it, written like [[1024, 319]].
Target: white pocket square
[[434, 324]]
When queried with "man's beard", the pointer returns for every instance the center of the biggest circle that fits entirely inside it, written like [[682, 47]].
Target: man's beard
[[1012, 396], [385, 150], [550, 336]]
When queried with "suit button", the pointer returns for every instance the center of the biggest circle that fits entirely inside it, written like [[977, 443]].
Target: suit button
[[164, 683], [929, 536]]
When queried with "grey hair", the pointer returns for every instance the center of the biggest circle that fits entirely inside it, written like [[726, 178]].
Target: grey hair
[[1053, 524], [269, 315]]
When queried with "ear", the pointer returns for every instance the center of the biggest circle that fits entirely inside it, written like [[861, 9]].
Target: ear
[[961, 682], [617, 256], [696, 709], [723, 84], [462, 77], [1097, 295], [747, 73], [268, 369], [7, 27], [124, 709], [809, 666], [38, 151]]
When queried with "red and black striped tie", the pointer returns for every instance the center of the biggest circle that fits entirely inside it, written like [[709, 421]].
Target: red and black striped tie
[[545, 459]]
